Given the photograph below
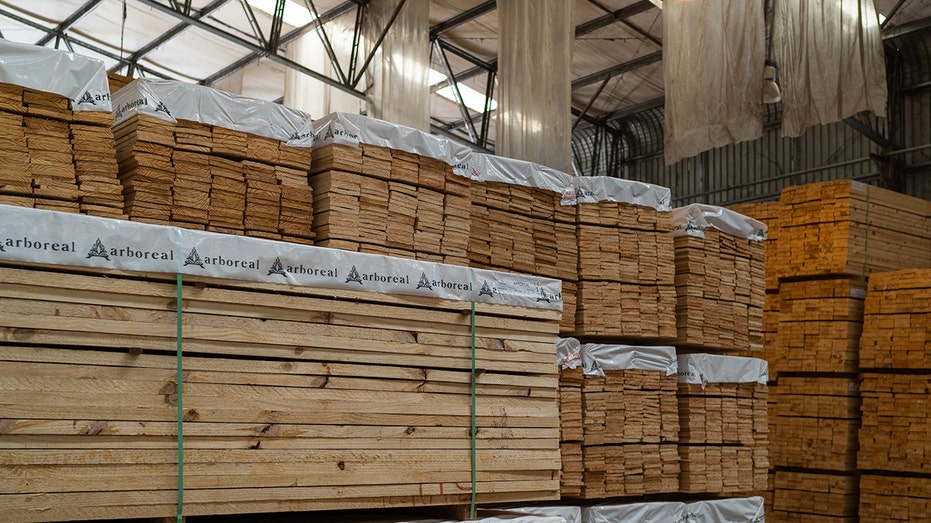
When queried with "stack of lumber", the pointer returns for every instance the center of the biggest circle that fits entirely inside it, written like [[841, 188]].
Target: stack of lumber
[[519, 224], [895, 435], [819, 325], [802, 497], [294, 398], [720, 288], [816, 423], [626, 271], [723, 435], [770, 214], [848, 228], [382, 193], [53, 155], [211, 176], [623, 418]]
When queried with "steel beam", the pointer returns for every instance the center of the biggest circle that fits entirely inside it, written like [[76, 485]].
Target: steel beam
[[630, 65], [866, 130], [72, 19], [616, 16], [461, 18], [907, 28]]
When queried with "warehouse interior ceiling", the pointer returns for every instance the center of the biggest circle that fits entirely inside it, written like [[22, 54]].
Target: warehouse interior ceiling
[[240, 46]]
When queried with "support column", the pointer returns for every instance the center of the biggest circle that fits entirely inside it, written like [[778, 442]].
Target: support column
[[534, 81]]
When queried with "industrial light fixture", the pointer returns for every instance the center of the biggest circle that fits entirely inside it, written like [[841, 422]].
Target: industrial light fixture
[[771, 92], [295, 14]]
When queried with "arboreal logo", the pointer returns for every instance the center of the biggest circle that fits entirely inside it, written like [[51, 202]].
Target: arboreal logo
[[424, 282], [277, 268], [161, 108], [194, 259], [486, 289], [98, 251], [354, 276], [87, 99], [543, 296]]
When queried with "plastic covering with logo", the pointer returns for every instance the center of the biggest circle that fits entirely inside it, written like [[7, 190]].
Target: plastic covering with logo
[[491, 168], [80, 78], [597, 358], [736, 510], [653, 512], [171, 100], [701, 369], [353, 129], [569, 513], [499, 518], [568, 353], [693, 219], [41, 236], [594, 189]]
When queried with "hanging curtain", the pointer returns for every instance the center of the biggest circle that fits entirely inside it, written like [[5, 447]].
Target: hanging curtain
[[398, 89], [311, 95], [534, 119], [831, 62], [714, 52]]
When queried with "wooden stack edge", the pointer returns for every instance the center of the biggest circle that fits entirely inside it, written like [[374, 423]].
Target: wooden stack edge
[[895, 436], [625, 312], [815, 496], [769, 213], [888, 498], [897, 322], [297, 361], [635, 469]]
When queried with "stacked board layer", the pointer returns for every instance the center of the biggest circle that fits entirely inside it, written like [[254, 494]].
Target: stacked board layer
[[848, 228], [199, 176], [719, 291], [769, 213], [819, 325], [814, 497], [527, 230], [895, 436], [386, 201], [293, 399], [54, 158], [723, 437], [626, 272], [630, 428]]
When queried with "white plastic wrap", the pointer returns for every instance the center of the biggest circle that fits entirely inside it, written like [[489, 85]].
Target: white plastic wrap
[[569, 514], [737, 510], [491, 168], [701, 369], [692, 220], [502, 518], [81, 79], [171, 100], [48, 237], [353, 129], [598, 358], [534, 120], [568, 353], [654, 512], [398, 89], [713, 59], [594, 189], [831, 61]]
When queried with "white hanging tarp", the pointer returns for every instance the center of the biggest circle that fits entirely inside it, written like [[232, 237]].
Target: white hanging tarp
[[597, 358], [55, 238], [308, 94], [713, 58], [654, 512], [736, 510], [353, 129], [171, 100], [594, 189], [693, 219], [534, 120], [398, 89], [701, 369], [79, 78], [831, 61]]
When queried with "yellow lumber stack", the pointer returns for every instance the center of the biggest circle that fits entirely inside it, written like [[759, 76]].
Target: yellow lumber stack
[[720, 284], [724, 432], [519, 224], [294, 398], [819, 325], [626, 268], [52, 157], [770, 214], [386, 201], [814, 497], [895, 435], [848, 228], [816, 423]]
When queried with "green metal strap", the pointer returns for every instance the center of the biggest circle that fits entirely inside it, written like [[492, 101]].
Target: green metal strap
[[473, 429], [178, 378]]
